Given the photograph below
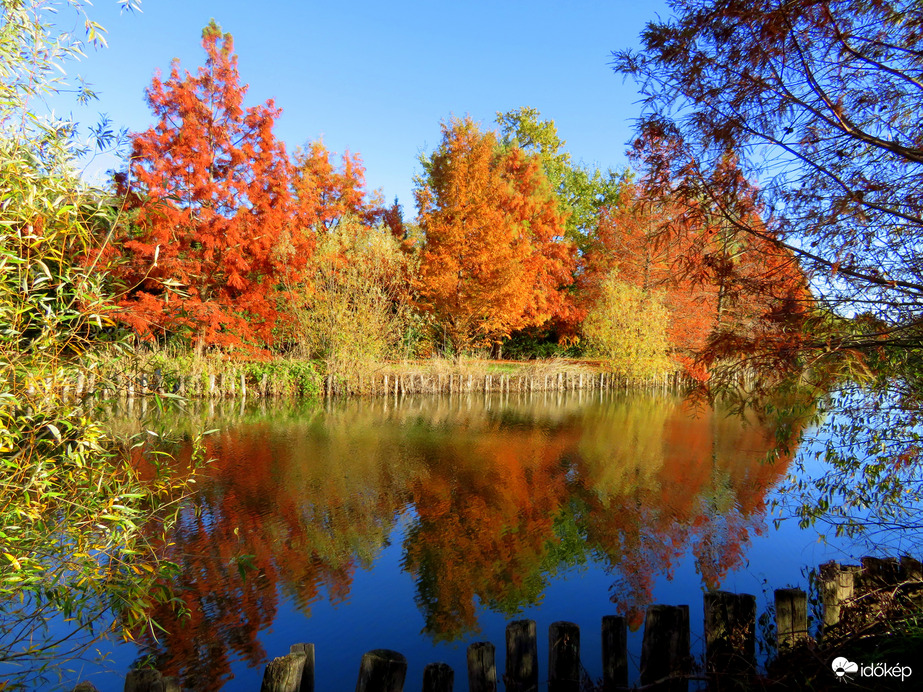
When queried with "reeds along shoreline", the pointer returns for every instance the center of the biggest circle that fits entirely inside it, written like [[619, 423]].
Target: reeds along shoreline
[[303, 379]]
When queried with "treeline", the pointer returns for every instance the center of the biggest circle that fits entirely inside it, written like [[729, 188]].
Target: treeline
[[218, 238]]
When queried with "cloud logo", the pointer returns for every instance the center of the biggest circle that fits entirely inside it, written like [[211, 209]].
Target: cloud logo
[[841, 666]]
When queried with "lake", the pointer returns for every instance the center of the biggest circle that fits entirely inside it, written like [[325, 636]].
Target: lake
[[424, 524]]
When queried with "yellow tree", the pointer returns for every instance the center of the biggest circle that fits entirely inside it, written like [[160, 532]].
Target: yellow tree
[[492, 260]]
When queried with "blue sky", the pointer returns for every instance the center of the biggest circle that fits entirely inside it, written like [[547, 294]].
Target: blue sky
[[377, 78]]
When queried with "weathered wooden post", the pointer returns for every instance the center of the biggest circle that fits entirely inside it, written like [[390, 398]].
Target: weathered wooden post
[[730, 635], [563, 657], [149, 680], [521, 657], [382, 670], [665, 647], [85, 687], [438, 677], [837, 586], [878, 573], [284, 674], [307, 667], [615, 652], [482, 671], [791, 617]]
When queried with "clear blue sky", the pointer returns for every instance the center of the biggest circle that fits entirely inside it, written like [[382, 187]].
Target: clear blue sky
[[378, 77]]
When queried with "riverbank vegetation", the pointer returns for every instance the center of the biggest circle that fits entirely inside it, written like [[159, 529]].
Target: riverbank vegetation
[[222, 241]]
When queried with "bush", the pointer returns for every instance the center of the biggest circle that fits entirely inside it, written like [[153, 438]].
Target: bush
[[627, 328]]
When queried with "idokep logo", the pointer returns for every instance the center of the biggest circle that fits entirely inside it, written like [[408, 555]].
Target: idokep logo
[[843, 668]]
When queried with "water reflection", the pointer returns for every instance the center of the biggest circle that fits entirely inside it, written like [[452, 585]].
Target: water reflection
[[496, 497]]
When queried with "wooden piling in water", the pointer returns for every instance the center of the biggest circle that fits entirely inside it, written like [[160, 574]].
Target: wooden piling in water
[[149, 680], [791, 617], [521, 656], [85, 686], [665, 647], [307, 667], [837, 587], [563, 657], [615, 652], [438, 677], [382, 670], [283, 674], [482, 670], [730, 635]]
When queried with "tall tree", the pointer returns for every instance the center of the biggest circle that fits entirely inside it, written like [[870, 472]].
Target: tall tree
[[492, 260], [819, 101], [211, 234]]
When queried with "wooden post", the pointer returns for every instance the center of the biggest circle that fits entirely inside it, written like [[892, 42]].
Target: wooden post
[[307, 667], [521, 657], [911, 569], [878, 573], [149, 680], [837, 586], [665, 647], [283, 674], [791, 617], [563, 657], [438, 677], [730, 635], [482, 671], [85, 687], [615, 653], [382, 670]]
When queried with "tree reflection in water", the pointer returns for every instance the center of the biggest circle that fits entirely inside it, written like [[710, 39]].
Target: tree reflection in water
[[500, 495]]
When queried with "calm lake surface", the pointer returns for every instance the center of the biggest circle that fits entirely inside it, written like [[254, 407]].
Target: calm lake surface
[[425, 524]]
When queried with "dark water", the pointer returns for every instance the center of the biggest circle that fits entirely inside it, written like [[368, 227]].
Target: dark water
[[426, 524]]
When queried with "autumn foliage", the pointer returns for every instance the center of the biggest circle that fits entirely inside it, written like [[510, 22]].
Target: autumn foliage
[[493, 260], [222, 222], [218, 242]]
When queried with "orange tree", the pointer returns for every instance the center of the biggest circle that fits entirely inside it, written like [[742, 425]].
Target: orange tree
[[493, 258], [211, 203]]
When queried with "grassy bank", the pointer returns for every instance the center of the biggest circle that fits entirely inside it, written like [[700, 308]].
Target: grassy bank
[[205, 377]]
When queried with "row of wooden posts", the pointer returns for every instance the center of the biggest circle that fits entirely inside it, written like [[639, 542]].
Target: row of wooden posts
[[666, 660], [237, 384]]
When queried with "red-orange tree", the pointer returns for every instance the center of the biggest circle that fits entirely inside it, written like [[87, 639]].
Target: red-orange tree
[[211, 234], [493, 258]]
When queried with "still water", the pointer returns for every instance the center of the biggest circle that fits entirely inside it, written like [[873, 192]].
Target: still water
[[426, 524]]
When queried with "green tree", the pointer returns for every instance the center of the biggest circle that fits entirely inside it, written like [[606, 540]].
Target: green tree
[[582, 191], [356, 304]]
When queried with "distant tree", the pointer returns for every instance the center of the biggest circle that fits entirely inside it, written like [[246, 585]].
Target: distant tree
[[327, 194], [492, 259], [582, 191], [212, 231], [354, 313]]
